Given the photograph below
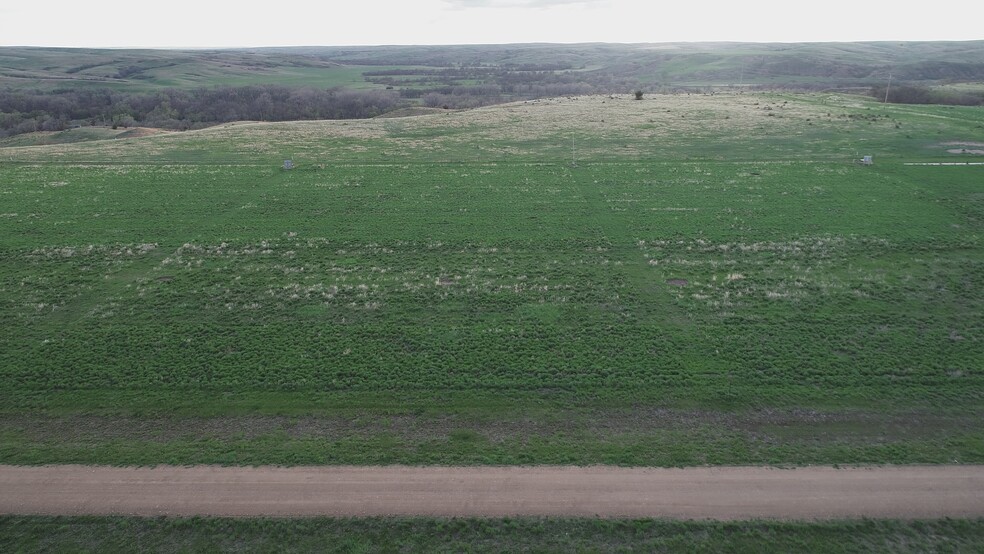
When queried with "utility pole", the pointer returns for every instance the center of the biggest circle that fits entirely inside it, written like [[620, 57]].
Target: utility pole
[[888, 87]]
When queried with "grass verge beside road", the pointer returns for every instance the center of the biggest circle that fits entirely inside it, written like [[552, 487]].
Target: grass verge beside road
[[364, 535]]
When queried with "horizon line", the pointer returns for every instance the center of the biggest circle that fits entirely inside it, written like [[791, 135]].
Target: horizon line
[[462, 44]]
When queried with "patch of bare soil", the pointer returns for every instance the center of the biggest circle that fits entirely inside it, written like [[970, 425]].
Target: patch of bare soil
[[410, 112], [724, 493], [965, 147], [961, 143], [137, 132]]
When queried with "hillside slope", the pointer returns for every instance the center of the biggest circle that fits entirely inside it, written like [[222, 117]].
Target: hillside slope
[[837, 64]]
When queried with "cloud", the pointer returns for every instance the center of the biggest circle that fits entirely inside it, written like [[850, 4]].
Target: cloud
[[464, 4]]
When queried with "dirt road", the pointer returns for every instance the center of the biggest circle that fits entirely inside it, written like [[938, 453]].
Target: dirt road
[[705, 492]]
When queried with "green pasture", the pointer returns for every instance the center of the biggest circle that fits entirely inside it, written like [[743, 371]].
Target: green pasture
[[139, 70], [75, 134], [351, 535], [349, 77], [708, 284]]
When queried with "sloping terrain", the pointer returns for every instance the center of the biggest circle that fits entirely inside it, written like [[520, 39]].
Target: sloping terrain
[[682, 280], [713, 280], [837, 64]]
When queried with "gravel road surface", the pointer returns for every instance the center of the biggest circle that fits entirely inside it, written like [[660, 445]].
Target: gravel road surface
[[724, 493]]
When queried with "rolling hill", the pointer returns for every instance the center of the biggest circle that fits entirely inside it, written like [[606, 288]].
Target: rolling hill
[[668, 64]]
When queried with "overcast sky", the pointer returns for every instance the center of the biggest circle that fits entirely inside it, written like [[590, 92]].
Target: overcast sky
[[201, 23]]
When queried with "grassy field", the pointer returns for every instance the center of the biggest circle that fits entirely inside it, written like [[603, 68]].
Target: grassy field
[[116, 534], [52, 68], [75, 134], [716, 281]]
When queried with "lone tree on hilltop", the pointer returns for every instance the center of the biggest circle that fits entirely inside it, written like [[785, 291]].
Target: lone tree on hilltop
[[638, 94]]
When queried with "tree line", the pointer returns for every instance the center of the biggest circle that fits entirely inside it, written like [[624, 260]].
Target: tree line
[[908, 94], [24, 111]]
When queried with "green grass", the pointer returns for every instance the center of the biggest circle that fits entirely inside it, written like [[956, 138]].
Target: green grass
[[50, 68], [455, 274], [68, 136], [349, 77], [117, 534]]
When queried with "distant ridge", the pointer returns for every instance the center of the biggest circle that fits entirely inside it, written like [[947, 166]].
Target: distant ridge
[[779, 64], [54, 89]]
